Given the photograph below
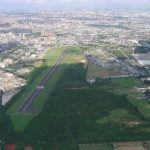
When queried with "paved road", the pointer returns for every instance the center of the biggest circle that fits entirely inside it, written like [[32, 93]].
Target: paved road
[[28, 105]]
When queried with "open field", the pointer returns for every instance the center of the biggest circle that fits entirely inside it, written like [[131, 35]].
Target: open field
[[142, 105], [96, 147], [147, 145], [126, 82], [95, 71], [120, 116], [129, 146], [118, 53], [126, 86], [123, 53]]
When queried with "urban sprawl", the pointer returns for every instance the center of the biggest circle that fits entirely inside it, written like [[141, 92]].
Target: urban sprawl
[[117, 42]]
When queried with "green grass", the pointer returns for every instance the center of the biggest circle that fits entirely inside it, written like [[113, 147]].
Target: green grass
[[128, 52], [142, 105], [95, 71], [20, 121], [96, 147], [122, 52], [118, 116], [147, 145], [118, 53], [126, 82], [127, 86]]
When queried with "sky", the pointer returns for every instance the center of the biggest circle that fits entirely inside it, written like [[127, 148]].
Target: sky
[[18, 5]]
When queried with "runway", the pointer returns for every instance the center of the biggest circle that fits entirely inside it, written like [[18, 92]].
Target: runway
[[28, 105]]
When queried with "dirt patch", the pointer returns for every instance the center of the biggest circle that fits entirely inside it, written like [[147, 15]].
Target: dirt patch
[[38, 63], [129, 146], [134, 123]]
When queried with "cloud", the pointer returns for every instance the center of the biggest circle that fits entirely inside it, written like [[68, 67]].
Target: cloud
[[75, 4], [124, 1], [74, 1], [56, 1]]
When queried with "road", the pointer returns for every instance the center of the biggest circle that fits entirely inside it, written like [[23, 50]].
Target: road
[[28, 105]]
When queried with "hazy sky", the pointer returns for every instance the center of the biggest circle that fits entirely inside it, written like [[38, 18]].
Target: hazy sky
[[74, 4]]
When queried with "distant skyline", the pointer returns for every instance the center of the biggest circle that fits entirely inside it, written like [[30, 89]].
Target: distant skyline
[[18, 5]]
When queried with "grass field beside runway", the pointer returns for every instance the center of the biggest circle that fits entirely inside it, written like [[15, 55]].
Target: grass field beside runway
[[20, 120]]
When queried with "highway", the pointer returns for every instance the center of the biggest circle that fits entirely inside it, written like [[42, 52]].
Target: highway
[[28, 107]]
